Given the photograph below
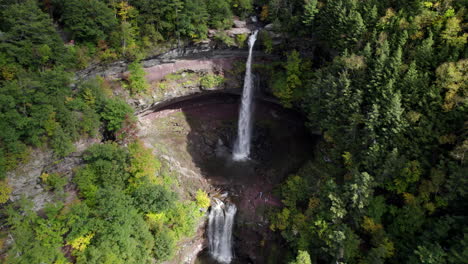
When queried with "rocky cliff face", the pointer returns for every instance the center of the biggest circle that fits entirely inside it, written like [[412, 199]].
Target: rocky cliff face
[[176, 75], [26, 179]]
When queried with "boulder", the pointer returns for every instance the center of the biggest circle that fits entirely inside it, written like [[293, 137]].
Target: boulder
[[238, 31], [239, 23], [269, 27]]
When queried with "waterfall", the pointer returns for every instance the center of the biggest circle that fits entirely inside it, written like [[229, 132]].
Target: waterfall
[[220, 222], [244, 130]]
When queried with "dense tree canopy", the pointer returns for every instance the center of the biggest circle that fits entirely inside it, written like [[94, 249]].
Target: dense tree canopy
[[392, 115], [384, 81]]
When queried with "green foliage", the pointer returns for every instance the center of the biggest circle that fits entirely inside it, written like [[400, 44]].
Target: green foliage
[[116, 222], [266, 41], [106, 167], [310, 10], [114, 113], [86, 20], [61, 143], [242, 7], [54, 181], [241, 39], [37, 239], [136, 81], [390, 105], [220, 14], [210, 81], [145, 219], [164, 243], [153, 198], [453, 78], [303, 257], [285, 89], [143, 166], [182, 219], [388, 91], [28, 36], [294, 191], [224, 38]]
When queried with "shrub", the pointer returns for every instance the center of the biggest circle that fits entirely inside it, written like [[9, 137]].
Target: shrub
[[143, 164], [267, 42], [240, 40], [164, 243], [203, 201], [210, 81], [114, 113], [182, 218], [224, 38], [153, 198], [54, 181], [136, 81], [5, 191]]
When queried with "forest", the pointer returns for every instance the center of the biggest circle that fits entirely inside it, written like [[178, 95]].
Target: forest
[[387, 87]]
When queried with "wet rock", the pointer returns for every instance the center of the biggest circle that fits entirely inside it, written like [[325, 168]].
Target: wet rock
[[269, 27]]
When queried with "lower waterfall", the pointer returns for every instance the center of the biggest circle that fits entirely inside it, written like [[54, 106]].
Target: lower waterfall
[[220, 223]]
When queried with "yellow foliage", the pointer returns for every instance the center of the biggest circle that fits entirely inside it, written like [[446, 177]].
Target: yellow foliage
[[328, 138], [2, 242], [453, 33], [417, 35], [51, 125], [314, 203], [428, 4], [430, 207], [409, 198], [281, 220], [389, 13], [80, 243], [264, 13], [453, 77], [44, 177], [403, 23], [155, 219], [354, 62], [413, 116], [5, 191], [203, 200], [7, 72], [389, 248], [447, 139], [348, 158], [370, 226], [124, 10]]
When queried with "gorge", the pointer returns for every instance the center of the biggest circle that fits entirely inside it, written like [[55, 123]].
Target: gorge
[[174, 132]]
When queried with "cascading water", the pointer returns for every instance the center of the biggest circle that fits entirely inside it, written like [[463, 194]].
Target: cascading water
[[220, 223], [244, 130]]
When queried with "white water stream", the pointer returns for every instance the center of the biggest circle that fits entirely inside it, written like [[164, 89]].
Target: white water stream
[[220, 223], [244, 131]]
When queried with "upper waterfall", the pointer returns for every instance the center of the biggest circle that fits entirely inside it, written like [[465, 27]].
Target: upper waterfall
[[242, 145]]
